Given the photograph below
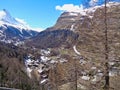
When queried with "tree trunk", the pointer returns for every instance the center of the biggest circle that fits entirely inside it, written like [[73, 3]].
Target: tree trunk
[[106, 86]]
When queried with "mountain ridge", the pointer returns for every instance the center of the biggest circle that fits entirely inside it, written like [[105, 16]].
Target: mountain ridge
[[12, 30], [6, 18], [80, 23]]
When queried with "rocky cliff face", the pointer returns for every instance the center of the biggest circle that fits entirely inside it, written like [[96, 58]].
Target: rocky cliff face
[[92, 30], [54, 39], [88, 18], [88, 24]]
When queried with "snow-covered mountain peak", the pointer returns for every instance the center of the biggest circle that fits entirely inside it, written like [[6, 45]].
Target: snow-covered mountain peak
[[6, 18], [2, 14], [6, 13], [92, 9], [14, 29]]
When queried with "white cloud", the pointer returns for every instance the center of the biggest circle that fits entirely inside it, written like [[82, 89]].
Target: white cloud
[[70, 8], [93, 2], [25, 24], [22, 21]]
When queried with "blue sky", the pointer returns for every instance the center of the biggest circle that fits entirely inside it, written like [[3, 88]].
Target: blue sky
[[38, 13]]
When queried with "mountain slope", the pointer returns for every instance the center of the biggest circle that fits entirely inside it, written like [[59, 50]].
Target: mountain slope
[[6, 18], [54, 39], [12, 30], [86, 52], [12, 69], [88, 24]]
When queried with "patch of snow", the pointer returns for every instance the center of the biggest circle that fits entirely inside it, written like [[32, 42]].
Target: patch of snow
[[83, 13], [72, 19], [100, 74], [72, 27], [85, 77], [45, 52], [18, 43], [76, 51], [113, 72], [1, 33], [44, 76], [82, 62], [91, 17], [73, 14], [99, 71], [28, 61], [83, 72], [63, 60], [53, 61], [40, 70], [29, 71], [8, 41], [44, 81], [44, 58], [96, 78], [111, 63], [92, 9], [81, 86], [109, 4], [3, 26], [82, 18], [93, 68]]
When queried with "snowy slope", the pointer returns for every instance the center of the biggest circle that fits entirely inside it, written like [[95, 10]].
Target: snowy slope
[[70, 18], [87, 11], [13, 29], [6, 18]]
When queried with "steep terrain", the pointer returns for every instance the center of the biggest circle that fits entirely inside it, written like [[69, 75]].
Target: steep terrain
[[85, 57], [89, 26], [69, 55], [86, 23], [12, 68], [53, 39], [12, 30]]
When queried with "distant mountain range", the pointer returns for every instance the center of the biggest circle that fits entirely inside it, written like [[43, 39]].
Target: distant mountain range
[[12, 30]]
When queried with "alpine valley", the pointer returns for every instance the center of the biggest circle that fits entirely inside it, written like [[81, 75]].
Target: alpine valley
[[67, 56]]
